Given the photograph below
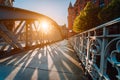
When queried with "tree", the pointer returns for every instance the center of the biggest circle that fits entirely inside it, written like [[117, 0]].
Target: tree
[[78, 23], [110, 12], [87, 19]]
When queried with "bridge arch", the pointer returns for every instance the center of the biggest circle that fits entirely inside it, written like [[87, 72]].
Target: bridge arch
[[21, 28]]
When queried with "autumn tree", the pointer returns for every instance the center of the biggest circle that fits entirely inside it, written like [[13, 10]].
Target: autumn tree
[[87, 19], [110, 12]]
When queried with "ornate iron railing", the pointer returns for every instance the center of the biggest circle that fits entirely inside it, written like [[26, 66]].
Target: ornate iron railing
[[99, 50]]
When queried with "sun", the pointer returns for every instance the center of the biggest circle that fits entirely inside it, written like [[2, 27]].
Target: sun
[[45, 26]]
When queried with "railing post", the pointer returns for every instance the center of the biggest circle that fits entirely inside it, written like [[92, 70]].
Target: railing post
[[103, 61], [82, 50], [88, 54]]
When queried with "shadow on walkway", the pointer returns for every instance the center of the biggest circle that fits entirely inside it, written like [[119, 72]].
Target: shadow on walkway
[[54, 62]]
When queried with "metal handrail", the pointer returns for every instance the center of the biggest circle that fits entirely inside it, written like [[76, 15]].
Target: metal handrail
[[100, 52]]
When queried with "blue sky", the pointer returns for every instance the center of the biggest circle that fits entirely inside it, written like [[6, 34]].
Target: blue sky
[[55, 9]]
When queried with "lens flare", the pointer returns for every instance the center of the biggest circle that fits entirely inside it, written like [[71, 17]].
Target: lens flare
[[45, 26]]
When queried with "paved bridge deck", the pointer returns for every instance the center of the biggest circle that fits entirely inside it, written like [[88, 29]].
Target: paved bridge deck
[[54, 62]]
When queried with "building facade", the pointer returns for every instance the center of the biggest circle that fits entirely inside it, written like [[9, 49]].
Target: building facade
[[9, 24], [74, 10], [6, 2], [64, 31]]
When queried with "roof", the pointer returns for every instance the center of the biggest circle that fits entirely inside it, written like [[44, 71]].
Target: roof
[[70, 5]]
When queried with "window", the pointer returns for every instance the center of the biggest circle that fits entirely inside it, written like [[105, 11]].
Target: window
[[94, 1], [81, 1], [101, 3]]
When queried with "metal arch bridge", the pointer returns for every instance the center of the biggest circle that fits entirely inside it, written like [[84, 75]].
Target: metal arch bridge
[[21, 29], [98, 49]]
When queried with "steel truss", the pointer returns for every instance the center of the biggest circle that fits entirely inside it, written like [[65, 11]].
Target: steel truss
[[20, 29]]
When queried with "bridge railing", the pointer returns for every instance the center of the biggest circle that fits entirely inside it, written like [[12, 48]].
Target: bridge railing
[[99, 50]]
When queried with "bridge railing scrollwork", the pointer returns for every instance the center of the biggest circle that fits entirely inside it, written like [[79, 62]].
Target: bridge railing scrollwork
[[99, 50]]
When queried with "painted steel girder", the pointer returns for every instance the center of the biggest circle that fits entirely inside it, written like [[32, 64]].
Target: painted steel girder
[[12, 13]]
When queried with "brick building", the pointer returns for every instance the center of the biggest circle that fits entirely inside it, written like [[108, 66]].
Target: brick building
[[64, 31], [6, 2], [74, 10], [9, 24]]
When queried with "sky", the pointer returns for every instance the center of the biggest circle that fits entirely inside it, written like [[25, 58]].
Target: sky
[[55, 9]]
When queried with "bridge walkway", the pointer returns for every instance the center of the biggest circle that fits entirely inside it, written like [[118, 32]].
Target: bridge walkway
[[57, 61]]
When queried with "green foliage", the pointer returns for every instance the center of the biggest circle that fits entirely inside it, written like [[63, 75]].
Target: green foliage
[[92, 16], [87, 19], [110, 12], [78, 23]]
